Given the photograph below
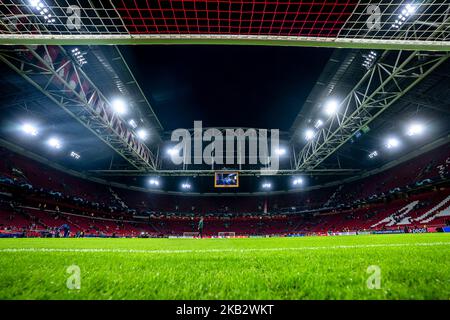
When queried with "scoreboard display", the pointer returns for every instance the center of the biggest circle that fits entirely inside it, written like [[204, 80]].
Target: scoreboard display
[[228, 179]]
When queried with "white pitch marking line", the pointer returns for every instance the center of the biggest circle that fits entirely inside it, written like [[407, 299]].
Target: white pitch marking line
[[243, 250]]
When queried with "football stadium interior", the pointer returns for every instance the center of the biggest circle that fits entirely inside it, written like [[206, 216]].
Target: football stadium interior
[[252, 141]]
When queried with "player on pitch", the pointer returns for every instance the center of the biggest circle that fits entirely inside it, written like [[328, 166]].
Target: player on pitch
[[200, 227]]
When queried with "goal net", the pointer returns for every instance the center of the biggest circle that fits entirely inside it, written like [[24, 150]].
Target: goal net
[[190, 234], [226, 234], [394, 24]]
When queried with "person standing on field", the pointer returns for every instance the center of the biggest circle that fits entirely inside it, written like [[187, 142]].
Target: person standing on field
[[200, 227]]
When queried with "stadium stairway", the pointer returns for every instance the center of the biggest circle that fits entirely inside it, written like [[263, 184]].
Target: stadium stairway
[[430, 214]]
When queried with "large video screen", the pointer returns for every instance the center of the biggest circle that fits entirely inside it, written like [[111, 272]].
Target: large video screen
[[226, 179]]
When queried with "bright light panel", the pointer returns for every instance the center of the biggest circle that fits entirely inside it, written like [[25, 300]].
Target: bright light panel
[[54, 143], [132, 123], [410, 9], [75, 155], [318, 124], [331, 108], [142, 134], [309, 134], [172, 151], [30, 129], [186, 186], [373, 154], [392, 143], [415, 129], [119, 106]]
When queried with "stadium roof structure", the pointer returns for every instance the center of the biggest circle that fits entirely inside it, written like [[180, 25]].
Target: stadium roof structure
[[370, 97], [415, 87], [374, 87], [349, 23]]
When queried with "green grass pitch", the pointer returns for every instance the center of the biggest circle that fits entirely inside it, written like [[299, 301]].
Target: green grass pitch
[[412, 266]]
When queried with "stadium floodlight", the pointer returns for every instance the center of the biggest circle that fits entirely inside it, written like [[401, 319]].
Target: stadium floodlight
[[119, 106], [54, 143], [186, 186], [30, 129], [318, 124], [410, 9], [281, 151], [75, 155], [43, 10], [142, 134], [132, 123], [297, 181], [331, 108], [48, 18], [267, 185], [172, 151], [373, 154], [392, 143], [309, 134], [79, 56], [369, 59], [415, 129], [407, 12], [153, 182], [35, 3]]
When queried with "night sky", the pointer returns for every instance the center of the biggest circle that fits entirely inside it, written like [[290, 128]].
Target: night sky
[[226, 86]]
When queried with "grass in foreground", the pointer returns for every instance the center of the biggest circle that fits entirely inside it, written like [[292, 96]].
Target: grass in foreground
[[412, 267]]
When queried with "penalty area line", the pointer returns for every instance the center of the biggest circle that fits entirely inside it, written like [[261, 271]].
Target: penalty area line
[[233, 250]]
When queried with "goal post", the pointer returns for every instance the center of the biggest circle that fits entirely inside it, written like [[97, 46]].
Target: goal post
[[226, 234], [191, 234]]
